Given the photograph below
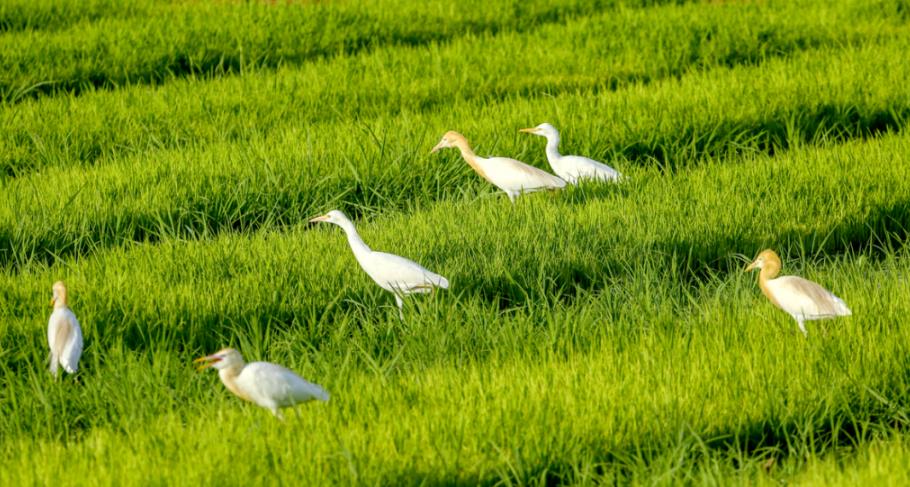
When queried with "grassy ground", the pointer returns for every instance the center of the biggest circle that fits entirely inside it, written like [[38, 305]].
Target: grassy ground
[[163, 158]]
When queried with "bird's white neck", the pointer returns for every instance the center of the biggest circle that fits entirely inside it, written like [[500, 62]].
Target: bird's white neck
[[228, 376], [553, 148], [358, 246]]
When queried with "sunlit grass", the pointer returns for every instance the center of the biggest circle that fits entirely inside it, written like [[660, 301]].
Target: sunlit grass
[[599, 334]]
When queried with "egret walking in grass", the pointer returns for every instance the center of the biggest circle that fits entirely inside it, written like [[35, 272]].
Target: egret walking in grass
[[513, 177], [395, 274], [571, 168], [265, 384], [800, 298], [64, 336]]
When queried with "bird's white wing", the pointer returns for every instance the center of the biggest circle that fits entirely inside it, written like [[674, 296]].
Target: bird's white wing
[[54, 325], [72, 350], [799, 296], [584, 168], [512, 174], [64, 337], [403, 274], [282, 385]]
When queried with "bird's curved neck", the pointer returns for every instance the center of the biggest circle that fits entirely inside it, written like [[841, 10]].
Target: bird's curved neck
[[61, 301], [358, 246], [468, 154], [767, 273], [553, 148]]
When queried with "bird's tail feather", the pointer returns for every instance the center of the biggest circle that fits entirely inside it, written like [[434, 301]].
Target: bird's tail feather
[[442, 282], [321, 394], [842, 309]]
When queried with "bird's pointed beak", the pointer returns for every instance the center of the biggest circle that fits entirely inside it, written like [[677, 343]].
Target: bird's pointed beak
[[532, 130], [751, 266], [440, 145], [206, 362], [52, 302], [323, 218]]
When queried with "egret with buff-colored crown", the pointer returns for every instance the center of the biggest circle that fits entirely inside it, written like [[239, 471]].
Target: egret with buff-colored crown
[[800, 298], [265, 384], [513, 177], [64, 335]]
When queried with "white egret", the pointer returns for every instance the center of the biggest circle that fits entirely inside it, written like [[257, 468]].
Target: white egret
[[800, 298], [513, 177], [64, 336], [265, 384], [571, 168], [398, 275]]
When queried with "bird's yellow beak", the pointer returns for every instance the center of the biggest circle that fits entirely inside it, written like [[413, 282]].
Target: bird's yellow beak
[[440, 145], [322, 218], [207, 361], [751, 266], [52, 302], [532, 130]]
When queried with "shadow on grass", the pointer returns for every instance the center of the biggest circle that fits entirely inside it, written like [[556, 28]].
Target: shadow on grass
[[754, 447], [801, 124], [212, 216], [360, 32], [883, 231], [225, 60]]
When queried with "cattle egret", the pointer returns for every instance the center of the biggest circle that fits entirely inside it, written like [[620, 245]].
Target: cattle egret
[[801, 298], [571, 168], [267, 385], [64, 336], [513, 177], [395, 274]]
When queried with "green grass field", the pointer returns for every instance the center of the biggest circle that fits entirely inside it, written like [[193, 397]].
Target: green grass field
[[163, 159]]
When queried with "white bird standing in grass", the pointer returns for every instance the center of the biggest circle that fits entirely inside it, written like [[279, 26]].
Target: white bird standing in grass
[[395, 274], [801, 298], [64, 336], [265, 384], [571, 168], [513, 177]]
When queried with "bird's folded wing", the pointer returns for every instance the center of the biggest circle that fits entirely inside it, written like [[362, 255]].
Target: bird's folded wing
[[284, 386], [798, 295], [590, 168], [522, 175], [405, 273], [62, 331]]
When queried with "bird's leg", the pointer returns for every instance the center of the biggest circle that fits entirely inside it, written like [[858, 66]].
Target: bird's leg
[[802, 327], [53, 365], [400, 303], [278, 413]]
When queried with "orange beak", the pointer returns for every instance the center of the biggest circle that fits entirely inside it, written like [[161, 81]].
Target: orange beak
[[322, 218], [207, 361], [532, 130]]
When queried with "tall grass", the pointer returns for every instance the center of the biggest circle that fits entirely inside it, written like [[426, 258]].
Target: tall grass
[[299, 168], [600, 334], [199, 38], [629, 46]]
